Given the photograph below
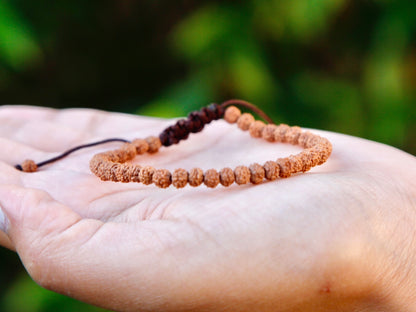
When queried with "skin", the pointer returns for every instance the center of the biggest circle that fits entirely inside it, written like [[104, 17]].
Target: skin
[[338, 238]]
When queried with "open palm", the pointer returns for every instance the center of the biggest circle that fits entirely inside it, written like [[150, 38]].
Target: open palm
[[309, 242]]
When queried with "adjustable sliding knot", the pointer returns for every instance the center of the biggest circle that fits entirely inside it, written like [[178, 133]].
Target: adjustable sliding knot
[[194, 123]]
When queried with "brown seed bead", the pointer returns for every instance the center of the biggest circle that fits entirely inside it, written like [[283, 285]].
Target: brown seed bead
[[256, 128], [285, 167], [130, 172], [317, 157], [242, 175], [268, 132], [211, 178], [304, 138], [105, 170], [327, 149], [327, 144], [113, 172], [313, 140], [279, 133], [272, 170], [244, 121], [141, 146], [316, 140], [196, 177], [324, 158], [256, 173], [306, 160], [232, 114], [292, 135], [227, 176], [126, 173], [126, 152], [123, 174], [95, 163], [112, 156], [162, 178], [29, 166], [146, 175], [180, 178], [154, 144], [99, 170], [295, 163], [108, 172], [135, 173], [317, 154]]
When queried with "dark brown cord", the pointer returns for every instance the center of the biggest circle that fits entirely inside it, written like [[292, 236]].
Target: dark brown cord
[[248, 105], [74, 149]]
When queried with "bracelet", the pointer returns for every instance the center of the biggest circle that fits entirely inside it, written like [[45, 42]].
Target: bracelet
[[114, 166]]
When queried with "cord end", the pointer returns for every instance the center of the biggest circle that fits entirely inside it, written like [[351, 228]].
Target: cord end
[[27, 166]]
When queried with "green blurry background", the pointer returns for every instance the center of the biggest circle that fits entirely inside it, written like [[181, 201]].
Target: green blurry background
[[341, 65]]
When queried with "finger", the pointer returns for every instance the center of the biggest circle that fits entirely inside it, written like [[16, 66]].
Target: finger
[[13, 152], [40, 230], [23, 112], [21, 209], [32, 126], [5, 241], [85, 124], [42, 134], [104, 124]]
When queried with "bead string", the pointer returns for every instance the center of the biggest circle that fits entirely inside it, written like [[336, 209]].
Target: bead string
[[114, 165], [196, 120]]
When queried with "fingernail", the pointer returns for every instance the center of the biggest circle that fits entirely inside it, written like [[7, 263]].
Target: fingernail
[[3, 221]]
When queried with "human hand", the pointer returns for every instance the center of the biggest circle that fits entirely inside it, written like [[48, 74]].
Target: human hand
[[337, 238]]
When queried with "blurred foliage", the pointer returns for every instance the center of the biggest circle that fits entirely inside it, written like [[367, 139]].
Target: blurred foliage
[[17, 47], [342, 65]]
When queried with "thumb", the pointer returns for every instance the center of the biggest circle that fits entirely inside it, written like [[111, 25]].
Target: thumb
[[29, 214], [36, 225], [58, 248], [107, 264], [4, 239]]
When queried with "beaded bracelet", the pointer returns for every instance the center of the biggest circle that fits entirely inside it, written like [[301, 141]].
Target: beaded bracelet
[[114, 165]]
